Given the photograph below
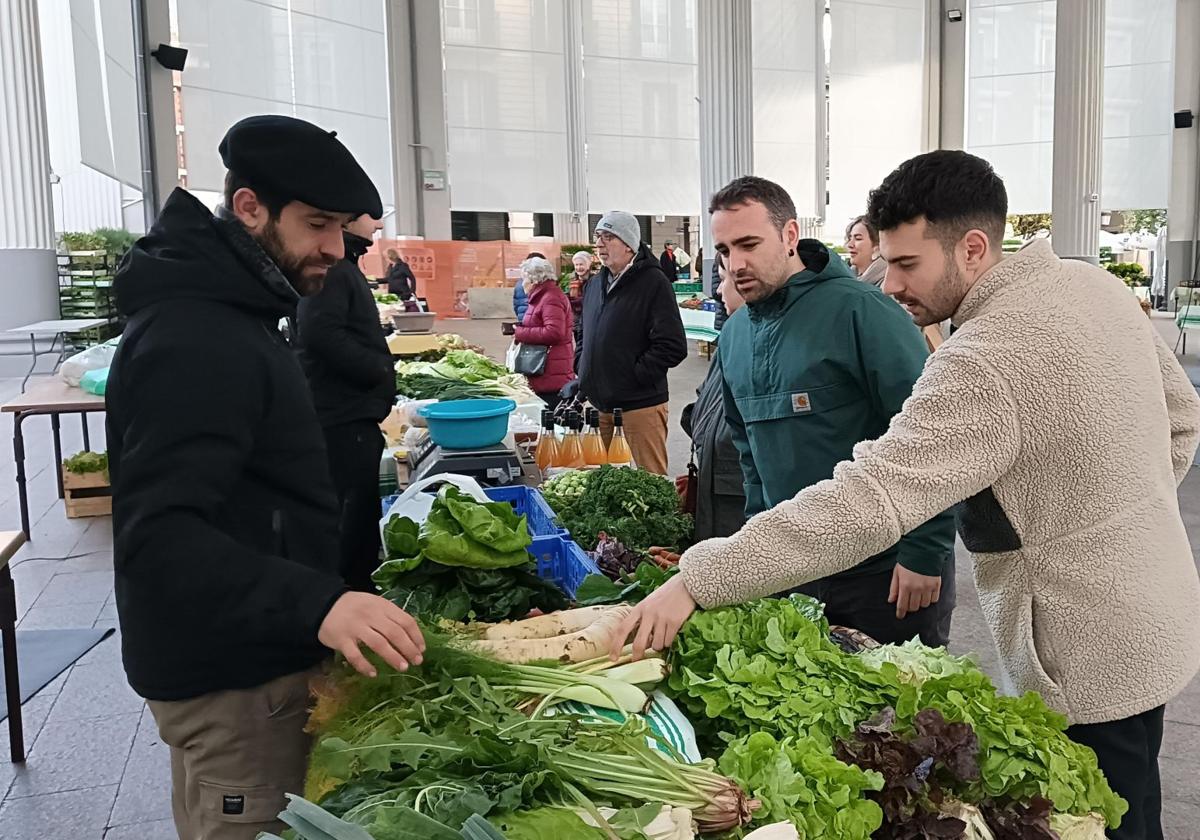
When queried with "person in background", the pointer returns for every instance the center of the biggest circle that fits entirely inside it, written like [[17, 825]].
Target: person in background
[[720, 499], [353, 381], [1081, 556], [584, 265], [632, 335], [817, 363], [670, 265], [225, 521], [400, 278], [548, 323], [520, 301], [862, 245], [698, 264]]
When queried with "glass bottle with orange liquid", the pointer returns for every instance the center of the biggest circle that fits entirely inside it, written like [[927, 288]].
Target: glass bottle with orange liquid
[[547, 446], [570, 451], [595, 453], [619, 454]]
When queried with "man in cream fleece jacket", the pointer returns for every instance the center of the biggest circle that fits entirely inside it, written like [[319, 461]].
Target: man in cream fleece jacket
[[1059, 424]]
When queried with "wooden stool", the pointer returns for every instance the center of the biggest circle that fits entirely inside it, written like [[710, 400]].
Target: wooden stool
[[10, 541]]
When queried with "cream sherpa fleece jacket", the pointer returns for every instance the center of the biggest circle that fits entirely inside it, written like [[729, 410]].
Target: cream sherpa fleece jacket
[[1060, 424]]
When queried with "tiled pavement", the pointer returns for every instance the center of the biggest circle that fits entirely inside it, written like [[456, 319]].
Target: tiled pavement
[[96, 768]]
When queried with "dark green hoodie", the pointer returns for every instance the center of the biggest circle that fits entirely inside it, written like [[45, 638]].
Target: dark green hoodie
[[819, 366]]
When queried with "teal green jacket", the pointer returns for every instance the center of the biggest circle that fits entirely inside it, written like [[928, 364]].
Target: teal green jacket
[[821, 365]]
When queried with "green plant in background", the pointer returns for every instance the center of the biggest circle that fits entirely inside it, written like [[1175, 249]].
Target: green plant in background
[[1132, 274], [80, 241], [116, 240], [1029, 225], [1106, 255], [1144, 221]]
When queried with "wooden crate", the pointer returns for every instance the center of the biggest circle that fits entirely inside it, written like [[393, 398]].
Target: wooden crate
[[87, 494]]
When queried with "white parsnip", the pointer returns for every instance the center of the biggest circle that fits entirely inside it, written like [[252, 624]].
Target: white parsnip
[[549, 625], [588, 643]]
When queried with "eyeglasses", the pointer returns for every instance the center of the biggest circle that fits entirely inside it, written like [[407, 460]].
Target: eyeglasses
[[604, 236]]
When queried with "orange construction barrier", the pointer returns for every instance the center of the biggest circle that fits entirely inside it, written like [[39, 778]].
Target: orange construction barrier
[[446, 271]]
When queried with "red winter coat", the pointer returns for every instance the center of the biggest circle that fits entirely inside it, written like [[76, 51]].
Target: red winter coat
[[549, 322]]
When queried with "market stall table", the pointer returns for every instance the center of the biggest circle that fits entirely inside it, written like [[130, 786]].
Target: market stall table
[[57, 330], [10, 541], [55, 398]]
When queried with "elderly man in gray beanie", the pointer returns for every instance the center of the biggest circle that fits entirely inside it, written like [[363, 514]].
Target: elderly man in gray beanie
[[632, 335]]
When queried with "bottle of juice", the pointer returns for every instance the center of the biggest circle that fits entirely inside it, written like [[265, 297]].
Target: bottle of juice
[[594, 451], [619, 454], [547, 446], [570, 454]]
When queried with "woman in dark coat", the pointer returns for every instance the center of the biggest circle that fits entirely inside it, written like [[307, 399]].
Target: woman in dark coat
[[548, 322], [720, 498]]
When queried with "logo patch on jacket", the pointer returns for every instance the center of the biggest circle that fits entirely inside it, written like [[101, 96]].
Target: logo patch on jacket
[[233, 804], [801, 403]]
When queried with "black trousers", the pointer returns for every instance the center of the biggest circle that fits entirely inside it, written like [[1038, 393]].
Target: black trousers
[[1128, 753], [354, 452], [860, 603]]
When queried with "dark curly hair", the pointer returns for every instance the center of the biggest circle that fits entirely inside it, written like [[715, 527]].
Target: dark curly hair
[[748, 188], [954, 191]]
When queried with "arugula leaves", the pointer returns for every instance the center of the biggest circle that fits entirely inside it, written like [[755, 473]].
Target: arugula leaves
[[631, 588]]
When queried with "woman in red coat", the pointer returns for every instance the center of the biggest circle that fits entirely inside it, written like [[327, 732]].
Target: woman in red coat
[[550, 323]]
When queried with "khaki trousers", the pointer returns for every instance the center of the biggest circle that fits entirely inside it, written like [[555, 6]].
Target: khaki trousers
[[646, 431], [234, 754]]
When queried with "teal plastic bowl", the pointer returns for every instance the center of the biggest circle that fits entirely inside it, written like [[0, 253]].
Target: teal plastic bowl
[[468, 424]]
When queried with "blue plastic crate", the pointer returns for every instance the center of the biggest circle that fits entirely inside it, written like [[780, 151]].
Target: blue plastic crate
[[561, 560], [531, 504]]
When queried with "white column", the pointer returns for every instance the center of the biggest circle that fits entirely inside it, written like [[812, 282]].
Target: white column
[[572, 227], [28, 283], [726, 82], [405, 169], [1078, 126]]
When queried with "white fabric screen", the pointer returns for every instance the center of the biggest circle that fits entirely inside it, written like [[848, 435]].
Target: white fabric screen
[[785, 59], [1010, 99], [322, 61], [642, 123], [876, 98], [505, 105], [102, 40]]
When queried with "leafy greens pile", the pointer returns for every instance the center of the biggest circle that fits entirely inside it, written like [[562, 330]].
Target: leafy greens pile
[[457, 369], [468, 561], [635, 507], [768, 666], [445, 740]]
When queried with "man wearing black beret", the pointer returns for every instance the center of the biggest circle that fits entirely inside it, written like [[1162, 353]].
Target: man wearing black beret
[[224, 517]]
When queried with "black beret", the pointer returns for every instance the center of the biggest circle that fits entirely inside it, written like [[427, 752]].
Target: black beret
[[298, 161]]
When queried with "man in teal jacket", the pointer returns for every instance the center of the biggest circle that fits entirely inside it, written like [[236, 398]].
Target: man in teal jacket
[[816, 362]]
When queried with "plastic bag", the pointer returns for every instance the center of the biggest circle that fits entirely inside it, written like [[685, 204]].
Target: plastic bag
[[416, 505], [95, 382], [93, 358]]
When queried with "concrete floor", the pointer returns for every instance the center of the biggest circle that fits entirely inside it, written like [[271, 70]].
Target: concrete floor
[[96, 768]]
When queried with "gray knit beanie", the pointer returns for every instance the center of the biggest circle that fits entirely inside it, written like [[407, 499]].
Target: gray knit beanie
[[622, 225]]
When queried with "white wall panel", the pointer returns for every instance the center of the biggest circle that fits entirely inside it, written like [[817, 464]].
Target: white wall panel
[[876, 98], [1010, 110], [785, 87], [322, 61], [640, 88], [506, 118]]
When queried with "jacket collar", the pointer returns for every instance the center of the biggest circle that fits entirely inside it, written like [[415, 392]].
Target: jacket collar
[[1035, 257]]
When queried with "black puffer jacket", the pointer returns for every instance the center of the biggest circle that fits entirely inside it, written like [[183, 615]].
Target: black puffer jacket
[[632, 336], [224, 517], [342, 348]]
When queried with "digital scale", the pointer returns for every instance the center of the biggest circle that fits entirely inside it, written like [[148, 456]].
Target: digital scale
[[491, 466]]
